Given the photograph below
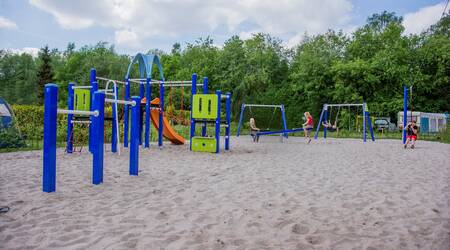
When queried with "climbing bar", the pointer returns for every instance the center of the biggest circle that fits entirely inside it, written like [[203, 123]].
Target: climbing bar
[[156, 81], [82, 122], [81, 87], [107, 79], [132, 103], [77, 112]]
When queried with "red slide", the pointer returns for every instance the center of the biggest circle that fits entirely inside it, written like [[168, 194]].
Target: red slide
[[168, 132]]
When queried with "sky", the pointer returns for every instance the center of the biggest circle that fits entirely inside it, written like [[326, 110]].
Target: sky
[[139, 25]]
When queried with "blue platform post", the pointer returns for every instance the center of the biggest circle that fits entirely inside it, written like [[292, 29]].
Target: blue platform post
[[405, 111], [147, 112], [283, 117], [126, 111], [70, 106], [92, 91], [241, 116], [134, 136], [114, 122], [364, 122], [99, 137], [325, 117], [217, 132], [193, 92], [369, 121], [50, 121], [228, 119], [161, 114], [141, 95], [319, 124], [92, 80], [205, 91]]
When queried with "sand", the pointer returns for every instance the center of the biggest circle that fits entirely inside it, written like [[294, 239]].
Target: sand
[[334, 194]]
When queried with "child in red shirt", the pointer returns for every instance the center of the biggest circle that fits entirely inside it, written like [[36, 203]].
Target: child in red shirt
[[308, 126]]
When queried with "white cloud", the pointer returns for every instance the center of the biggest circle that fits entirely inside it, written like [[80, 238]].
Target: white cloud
[[34, 52], [422, 19], [135, 21], [5, 23]]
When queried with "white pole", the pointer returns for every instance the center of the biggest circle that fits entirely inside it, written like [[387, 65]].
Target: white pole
[[78, 112]]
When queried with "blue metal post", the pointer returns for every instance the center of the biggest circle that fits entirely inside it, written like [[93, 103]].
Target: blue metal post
[[364, 122], [283, 117], [405, 112], [205, 91], [134, 137], [141, 95], [369, 121], [147, 112], [228, 119], [217, 133], [193, 92], [114, 122], [94, 87], [126, 114], [161, 114], [319, 124], [241, 116], [99, 137], [50, 120], [70, 106], [325, 117]]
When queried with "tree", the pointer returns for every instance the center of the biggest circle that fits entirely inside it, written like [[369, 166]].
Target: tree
[[45, 73]]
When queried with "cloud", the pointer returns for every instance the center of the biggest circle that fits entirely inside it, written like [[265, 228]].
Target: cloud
[[34, 52], [135, 21], [5, 23], [422, 19]]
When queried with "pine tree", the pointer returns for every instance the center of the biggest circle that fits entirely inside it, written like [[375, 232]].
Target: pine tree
[[45, 73]]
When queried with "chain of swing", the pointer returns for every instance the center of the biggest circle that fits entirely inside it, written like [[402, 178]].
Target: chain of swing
[[335, 122], [269, 125]]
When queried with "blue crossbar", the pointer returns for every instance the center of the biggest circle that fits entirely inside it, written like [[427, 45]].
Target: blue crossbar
[[280, 131]]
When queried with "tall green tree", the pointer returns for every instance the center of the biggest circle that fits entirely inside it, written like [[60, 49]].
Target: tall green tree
[[45, 72]]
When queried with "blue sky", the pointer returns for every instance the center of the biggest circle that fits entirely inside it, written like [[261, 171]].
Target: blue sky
[[139, 25]]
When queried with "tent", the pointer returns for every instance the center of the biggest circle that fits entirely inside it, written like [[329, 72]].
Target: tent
[[5, 114]]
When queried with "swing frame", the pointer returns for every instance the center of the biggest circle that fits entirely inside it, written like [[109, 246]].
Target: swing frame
[[366, 119], [275, 106]]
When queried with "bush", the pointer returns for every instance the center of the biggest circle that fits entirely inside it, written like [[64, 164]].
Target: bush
[[10, 138]]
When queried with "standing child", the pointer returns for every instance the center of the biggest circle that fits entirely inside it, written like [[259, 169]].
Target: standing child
[[411, 134], [308, 126]]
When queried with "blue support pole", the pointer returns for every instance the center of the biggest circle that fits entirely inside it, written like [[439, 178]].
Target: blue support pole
[[217, 133], [241, 116], [319, 124], [405, 112], [99, 137], [141, 125], [369, 121], [126, 110], [94, 87], [364, 122], [134, 140], [283, 117], [205, 91], [50, 120], [114, 122], [325, 117], [70, 106], [147, 112], [193, 92], [161, 114], [228, 119]]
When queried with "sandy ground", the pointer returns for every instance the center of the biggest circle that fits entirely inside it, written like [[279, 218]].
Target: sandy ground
[[338, 194]]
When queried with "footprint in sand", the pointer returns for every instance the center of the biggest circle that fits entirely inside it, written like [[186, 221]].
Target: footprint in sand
[[300, 229], [314, 239]]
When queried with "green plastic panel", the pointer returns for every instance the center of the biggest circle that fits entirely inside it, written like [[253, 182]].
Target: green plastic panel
[[204, 144], [205, 106], [82, 99]]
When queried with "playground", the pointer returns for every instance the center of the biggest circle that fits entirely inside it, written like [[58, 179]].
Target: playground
[[330, 194]]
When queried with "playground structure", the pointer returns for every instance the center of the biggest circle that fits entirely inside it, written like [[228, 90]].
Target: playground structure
[[365, 117], [96, 133], [206, 108]]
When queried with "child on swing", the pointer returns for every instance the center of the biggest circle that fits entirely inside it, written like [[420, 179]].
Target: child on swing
[[254, 130], [411, 134], [329, 127], [308, 126]]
